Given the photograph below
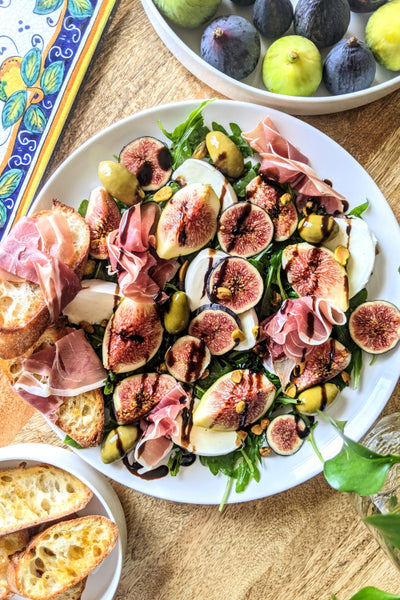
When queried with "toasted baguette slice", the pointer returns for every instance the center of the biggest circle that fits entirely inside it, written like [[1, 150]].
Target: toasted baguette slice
[[61, 556], [23, 312], [81, 417], [38, 494], [9, 544]]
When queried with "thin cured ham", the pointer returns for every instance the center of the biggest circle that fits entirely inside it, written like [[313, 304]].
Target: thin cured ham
[[141, 273], [283, 163], [35, 251], [158, 427], [68, 368], [289, 335]]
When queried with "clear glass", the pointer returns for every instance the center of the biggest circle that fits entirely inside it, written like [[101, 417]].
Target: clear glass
[[384, 438]]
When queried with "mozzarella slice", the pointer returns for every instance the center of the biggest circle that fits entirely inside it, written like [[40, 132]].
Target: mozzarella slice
[[197, 275], [355, 235], [249, 321], [194, 170], [206, 442], [94, 303]]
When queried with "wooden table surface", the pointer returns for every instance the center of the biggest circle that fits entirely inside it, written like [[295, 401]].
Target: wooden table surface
[[304, 543]]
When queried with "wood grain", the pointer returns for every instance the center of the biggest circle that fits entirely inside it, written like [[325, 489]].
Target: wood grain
[[304, 543]]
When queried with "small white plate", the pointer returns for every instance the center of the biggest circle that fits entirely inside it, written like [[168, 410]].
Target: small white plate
[[77, 176], [103, 582], [185, 45]]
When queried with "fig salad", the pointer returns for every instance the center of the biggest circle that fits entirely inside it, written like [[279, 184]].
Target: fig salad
[[231, 302]]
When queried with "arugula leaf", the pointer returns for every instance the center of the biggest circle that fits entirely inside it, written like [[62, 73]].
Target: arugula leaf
[[68, 441], [186, 136], [250, 171], [356, 468], [370, 593], [235, 137], [83, 208], [388, 524], [357, 211]]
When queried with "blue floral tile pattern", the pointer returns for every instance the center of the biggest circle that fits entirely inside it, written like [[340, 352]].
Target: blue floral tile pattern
[[45, 49]]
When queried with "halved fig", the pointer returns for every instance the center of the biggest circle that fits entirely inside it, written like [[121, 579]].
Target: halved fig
[[102, 217], [188, 222], [132, 337], [314, 271], [150, 160], [136, 395], [276, 203], [197, 276], [234, 401], [375, 326], [286, 434], [235, 283], [187, 358], [217, 326], [322, 364], [244, 229]]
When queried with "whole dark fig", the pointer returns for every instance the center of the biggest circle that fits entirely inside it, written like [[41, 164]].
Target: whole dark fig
[[272, 17], [349, 67], [232, 45], [361, 6], [324, 22]]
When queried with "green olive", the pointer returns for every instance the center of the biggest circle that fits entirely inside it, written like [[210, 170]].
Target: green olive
[[225, 154], [177, 314], [118, 442], [317, 228], [316, 398], [120, 183]]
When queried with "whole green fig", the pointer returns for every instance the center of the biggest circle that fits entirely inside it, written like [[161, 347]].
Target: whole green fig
[[188, 13]]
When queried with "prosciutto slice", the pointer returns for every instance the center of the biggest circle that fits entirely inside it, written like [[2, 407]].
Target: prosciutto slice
[[284, 163], [289, 335], [34, 251], [158, 427], [68, 368], [141, 273]]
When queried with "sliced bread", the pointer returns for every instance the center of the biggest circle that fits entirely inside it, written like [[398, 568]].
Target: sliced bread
[[60, 556], [23, 312], [9, 544], [38, 494]]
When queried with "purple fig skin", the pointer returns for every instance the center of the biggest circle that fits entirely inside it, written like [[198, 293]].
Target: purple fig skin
[[323, 363], [286, 434], [102, 217], [150, 160], [187, 358], [244, 229], [375, 326], [137, 395], [271, 199], [235, 283], [215, 325]]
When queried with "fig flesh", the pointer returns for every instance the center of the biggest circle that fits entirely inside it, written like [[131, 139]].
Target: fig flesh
[[272, 17], [271, 198], [349, 67], [314, 271], [188, 222], [286, 434], [324, 362], [375, 326], [234, 401], [382, 35], [102, 217], [150, 160], [217, 326], [187, 358], [244, 229], [132, 336], [236, 284], [361, 6], [136, 395], [188, 13], [322, 21], [292, 66], [232, 45]]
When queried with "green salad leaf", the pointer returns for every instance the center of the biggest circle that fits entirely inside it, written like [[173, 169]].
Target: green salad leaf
[[357, 211]]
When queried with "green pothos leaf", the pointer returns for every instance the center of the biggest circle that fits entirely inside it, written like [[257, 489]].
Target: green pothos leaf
[[14, 108], [388, 524], [370, 593]]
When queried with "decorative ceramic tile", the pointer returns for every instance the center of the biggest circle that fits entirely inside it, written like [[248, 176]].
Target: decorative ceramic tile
[[45, 49]]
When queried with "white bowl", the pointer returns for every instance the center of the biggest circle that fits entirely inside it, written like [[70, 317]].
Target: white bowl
[[185, 45], [102, 583]]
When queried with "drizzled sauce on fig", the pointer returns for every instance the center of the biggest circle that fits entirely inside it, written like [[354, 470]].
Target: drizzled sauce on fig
[[134, 467], [197, 353], [211, 254], [187, 422], [219, 279], [246, 210]]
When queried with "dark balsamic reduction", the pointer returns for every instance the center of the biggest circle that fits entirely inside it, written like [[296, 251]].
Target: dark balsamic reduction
[[211, 254], [134, 467], [237, 230], [220, 272]]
